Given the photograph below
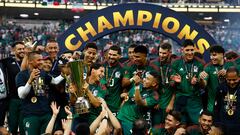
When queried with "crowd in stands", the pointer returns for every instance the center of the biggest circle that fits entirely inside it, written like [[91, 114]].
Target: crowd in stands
[[226, 36], [227, 2], [230, 2]]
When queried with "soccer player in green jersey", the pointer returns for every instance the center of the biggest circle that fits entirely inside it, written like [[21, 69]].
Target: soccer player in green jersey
[[96, 89], [93, 89], [138, 101], [171, 126], [113, 78], [214, 73], [185, 74], [140, 66], [162, 64], [205, 123], [90, 54]]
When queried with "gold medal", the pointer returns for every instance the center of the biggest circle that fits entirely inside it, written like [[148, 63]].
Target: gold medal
[[126, 99], [230, 112], [34, 99]]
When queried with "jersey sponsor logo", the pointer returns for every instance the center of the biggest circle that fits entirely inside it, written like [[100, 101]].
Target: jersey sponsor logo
[[117, 75], [27, 125], [195, 69]]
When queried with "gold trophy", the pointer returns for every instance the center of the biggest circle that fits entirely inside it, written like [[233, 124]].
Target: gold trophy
[[81, 104]]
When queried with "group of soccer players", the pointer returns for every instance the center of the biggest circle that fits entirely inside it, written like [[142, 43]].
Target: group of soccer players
[[171, 94]]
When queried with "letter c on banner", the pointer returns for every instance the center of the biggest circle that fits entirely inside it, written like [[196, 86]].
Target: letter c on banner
[[69, 45]]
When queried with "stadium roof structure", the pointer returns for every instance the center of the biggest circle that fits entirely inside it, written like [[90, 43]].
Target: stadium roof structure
[[180, 7]]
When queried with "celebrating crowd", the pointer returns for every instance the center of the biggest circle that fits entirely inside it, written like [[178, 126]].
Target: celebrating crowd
[[44, 92]]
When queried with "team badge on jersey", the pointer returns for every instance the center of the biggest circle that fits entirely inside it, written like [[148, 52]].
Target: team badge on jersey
[[117, 75]]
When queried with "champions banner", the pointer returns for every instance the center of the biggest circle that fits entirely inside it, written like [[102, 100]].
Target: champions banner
[[135, 16]]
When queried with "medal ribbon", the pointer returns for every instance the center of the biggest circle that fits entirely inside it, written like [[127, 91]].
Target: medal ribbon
[[164, 77], [229, 102], [189, 74], [109, 79]]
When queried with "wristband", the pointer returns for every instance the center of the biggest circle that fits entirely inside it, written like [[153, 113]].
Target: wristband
[[69, 117]]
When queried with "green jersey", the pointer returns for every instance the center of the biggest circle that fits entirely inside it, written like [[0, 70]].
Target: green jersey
[[98, 90], [213, 81], [187, 70], [130, 111], [132, 69], [165, 90], [113, 79]]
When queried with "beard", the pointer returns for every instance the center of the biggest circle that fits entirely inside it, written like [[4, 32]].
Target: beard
[[20, 56]]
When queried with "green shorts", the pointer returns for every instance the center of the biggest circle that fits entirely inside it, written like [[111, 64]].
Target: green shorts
[[36, 125]]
